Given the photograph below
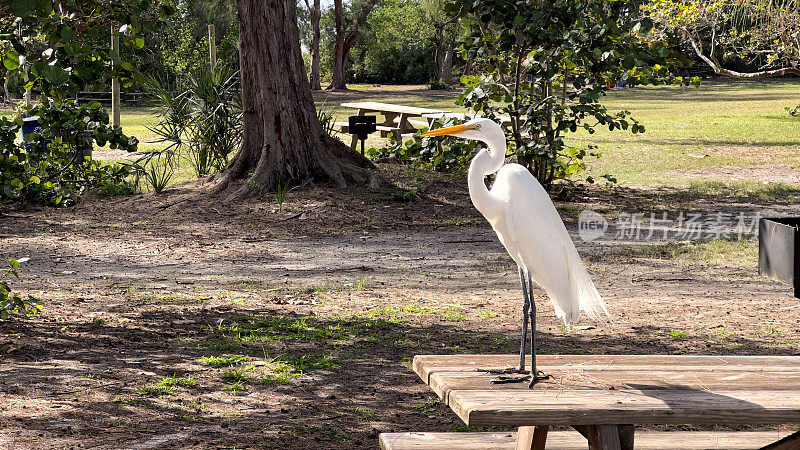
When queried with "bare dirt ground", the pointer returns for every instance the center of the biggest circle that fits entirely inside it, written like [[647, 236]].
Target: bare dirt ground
[[773, 174], [180, 321]]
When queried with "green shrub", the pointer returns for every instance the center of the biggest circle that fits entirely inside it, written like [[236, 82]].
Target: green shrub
[[11, 302], [438, 84], [52, 166], [452, 155]]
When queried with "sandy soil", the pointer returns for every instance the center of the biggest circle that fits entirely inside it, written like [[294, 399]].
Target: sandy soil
[[354, 283]]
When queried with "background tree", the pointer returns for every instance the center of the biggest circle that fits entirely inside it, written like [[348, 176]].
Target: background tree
[[546, 64], [283, 140], [395, 45], [59, 42], [443, 38], [178, 49], [346, 34], [315, 16], [763, 35]]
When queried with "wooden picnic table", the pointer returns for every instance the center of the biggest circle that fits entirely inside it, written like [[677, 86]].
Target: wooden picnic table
[[505, 121], [598, 394], [395, 117]]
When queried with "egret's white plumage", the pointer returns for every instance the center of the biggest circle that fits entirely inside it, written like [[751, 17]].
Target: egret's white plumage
[[528, 225]]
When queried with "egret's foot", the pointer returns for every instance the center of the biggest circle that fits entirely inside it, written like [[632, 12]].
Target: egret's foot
[[505, 379], [506, 371], [540, 376]]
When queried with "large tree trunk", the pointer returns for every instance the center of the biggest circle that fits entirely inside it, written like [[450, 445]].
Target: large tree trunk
[[339, 56], [283, 140], [316, 15], [345, 40]]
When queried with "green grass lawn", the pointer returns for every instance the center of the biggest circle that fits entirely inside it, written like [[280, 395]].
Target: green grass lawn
[[730, 125], [692, 134]]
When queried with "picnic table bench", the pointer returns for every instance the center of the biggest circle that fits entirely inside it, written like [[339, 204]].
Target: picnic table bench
[[397, 119], [600, 396]]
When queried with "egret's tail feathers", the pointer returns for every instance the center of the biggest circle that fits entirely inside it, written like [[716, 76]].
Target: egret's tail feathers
[[583, 288]]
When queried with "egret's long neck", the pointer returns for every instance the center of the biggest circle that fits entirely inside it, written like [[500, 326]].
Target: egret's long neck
[[485, 163]]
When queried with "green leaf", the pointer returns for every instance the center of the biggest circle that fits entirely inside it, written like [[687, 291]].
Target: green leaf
[[43, 7], [11, 60], [55, 75], [21, 8], [67, 34], [138, 42], [14, 263]]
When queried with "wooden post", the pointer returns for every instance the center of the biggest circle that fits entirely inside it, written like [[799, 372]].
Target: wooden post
[[114, 80], [212, 47], [27, 68], [27, 91], [532, 438]]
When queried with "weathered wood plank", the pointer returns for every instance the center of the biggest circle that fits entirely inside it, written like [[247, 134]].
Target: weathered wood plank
[[649, 406], [442, 383], [570, 440], [613, 389], [524, 438], [449, 441], [458, 372], [468, 363]]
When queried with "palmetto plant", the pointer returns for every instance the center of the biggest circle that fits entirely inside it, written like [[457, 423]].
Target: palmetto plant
[[157, 169], [203, 123]]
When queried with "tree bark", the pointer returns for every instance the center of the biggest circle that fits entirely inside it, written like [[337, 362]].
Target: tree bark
[[283, 140], [345, 38], [316, 15], [6, 95], [438, 52], [447, 67], [337, 74]]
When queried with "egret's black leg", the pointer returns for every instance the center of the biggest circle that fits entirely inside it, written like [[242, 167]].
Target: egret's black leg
[[536, 375], [525, 306]]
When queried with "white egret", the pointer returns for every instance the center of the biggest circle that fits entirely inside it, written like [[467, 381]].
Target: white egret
[[528, 225]]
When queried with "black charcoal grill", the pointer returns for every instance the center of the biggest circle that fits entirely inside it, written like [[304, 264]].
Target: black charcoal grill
[[361, 126]]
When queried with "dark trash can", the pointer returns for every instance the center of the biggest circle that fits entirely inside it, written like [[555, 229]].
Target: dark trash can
[[779, 250], [31, 125]]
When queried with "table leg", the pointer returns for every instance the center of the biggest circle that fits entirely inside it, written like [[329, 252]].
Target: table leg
[[405, 125], [626, 433], [431, 121], [354, 140], [601, 437], [532, 438], [388, 119], [791, 442]]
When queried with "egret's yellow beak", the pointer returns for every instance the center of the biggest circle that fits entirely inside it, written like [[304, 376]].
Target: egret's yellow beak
[[451, 130]]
